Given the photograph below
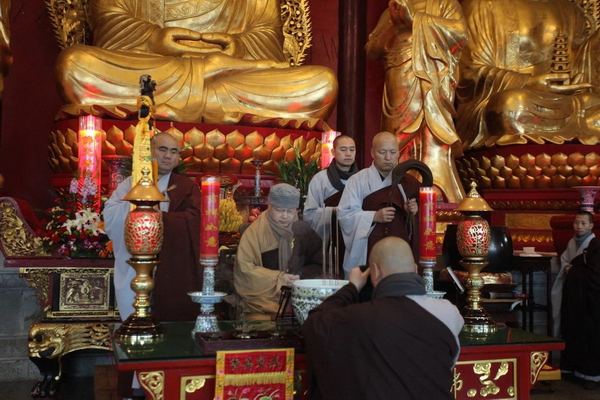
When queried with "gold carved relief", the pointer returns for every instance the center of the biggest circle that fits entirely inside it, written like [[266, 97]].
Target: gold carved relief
[[538, 359], [488, 373], [84, 291], [154, 383], [49, 340], [16, 239], [297, 30], [39, 281], [190, 384], [529, 221], [532, 237], [214, 151], [528, 171], [69, 21]]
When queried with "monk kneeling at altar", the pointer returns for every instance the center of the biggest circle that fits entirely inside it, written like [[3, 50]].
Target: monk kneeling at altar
[[402, 344], [276, 250], [532, 74], [213, 61], [179, 270]]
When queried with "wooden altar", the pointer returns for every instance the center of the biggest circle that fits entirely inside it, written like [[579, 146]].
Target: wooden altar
[[77, 296], [503, 366]]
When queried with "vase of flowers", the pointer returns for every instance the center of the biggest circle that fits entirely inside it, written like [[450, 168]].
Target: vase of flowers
[[75, 227]]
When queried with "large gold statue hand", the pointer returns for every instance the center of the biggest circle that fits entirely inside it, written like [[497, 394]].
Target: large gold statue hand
[[555, 83], [228, 44], [173, 41], [402, 12]]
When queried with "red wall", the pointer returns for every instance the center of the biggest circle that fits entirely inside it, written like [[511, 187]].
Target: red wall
[[29, 104], [31, 100]]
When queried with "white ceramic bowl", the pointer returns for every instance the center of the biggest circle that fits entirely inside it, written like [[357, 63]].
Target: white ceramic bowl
[[309, 293]]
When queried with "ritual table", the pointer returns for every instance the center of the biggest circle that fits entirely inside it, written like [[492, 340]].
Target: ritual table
[[504, 365], [527, 264]]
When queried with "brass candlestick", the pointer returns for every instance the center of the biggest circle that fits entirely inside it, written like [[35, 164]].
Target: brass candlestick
[[473, 240], [143, 239]]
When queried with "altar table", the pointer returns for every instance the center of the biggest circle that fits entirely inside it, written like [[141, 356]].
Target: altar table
[[503, 366]]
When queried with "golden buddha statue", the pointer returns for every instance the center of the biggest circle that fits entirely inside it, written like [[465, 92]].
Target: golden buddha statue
[[420, 43], [212, 60], [530, 73]]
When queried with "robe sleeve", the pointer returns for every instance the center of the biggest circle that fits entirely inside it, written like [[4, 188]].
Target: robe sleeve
[[315, 212], [262, 37], [117, 25], [356, 224], [182, 221], [115, 212], [592, 263]]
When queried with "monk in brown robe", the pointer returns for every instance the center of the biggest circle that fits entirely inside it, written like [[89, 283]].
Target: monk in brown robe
[[400, 345], [276, 250]]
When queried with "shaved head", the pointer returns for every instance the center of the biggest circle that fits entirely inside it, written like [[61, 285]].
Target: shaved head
[[382, 137], [385, 152], [391, 255]]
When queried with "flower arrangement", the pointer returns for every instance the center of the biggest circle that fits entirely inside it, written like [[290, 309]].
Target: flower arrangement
[[74, 228], [298, 173]]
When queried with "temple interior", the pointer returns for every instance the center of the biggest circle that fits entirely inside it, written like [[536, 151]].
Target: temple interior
[[498, 123]]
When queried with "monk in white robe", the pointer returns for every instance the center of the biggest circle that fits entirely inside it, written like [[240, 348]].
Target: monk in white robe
[[358, 223], [324, 193]]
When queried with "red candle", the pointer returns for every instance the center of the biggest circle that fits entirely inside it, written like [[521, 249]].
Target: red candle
[[209, 229], [427, 208]]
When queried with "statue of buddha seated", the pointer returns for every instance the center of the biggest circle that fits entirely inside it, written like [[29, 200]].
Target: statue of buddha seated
[[529, 73], [213, 61]]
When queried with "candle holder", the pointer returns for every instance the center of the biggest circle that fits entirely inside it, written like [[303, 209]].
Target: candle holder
[[427, 231], [209, 256], [257, 164], [473, 240], [143, 239], [207, 298]]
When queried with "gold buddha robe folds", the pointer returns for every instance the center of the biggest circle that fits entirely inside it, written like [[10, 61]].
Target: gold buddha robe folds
[[213, 61], [529, 73]]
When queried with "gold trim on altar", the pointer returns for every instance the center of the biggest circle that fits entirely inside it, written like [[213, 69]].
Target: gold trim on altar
[[488, 372], [154, 383]]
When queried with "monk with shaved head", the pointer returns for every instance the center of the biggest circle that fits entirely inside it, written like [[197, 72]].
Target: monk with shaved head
[[371, 207], [401, 344]]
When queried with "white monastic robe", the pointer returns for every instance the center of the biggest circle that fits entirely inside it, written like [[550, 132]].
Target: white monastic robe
[[115, 212], [356, 223], [315, 212], [557, 288]]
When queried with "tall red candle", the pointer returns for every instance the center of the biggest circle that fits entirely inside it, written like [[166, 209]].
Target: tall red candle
[[427, 209], [209, 229]]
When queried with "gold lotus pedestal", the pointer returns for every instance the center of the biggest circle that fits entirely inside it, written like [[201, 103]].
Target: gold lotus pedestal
[[473, 240], [143, 239]]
